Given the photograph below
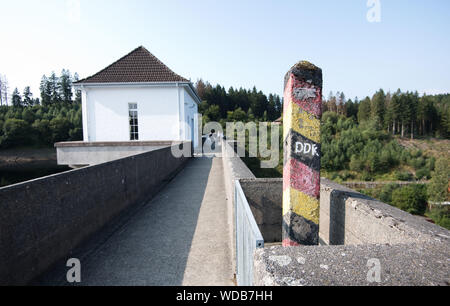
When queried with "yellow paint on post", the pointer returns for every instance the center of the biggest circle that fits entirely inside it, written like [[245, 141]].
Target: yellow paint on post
[[301, 122], [301, 204]]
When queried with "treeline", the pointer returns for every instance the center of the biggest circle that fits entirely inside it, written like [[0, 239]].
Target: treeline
[[55, 117], [366, 152], [244, 105], [405, 114]]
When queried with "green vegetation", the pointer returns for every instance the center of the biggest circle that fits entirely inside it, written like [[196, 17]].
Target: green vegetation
[[361, 140], [234, 105], [42, 122], [440, 216], [412, 199], [365, 152], [438, 189]]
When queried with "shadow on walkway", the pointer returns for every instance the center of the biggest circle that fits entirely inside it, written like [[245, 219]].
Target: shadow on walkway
[[150, 244]]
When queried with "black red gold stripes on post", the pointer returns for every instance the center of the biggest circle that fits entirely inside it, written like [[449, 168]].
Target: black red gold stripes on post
[[302, 152]]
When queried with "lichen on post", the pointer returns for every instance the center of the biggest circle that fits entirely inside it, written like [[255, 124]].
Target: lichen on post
[[302, 152]]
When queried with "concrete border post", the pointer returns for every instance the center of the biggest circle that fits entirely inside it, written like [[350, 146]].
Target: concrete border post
[[302, 152]]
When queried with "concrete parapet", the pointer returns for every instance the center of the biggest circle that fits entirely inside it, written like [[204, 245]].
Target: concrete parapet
[[264, 197], [363, 265], [43, 220], [234, 169], [350, 218], [78, 153], [356, 232]]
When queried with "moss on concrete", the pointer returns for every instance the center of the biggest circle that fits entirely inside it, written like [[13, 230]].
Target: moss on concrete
[[306, 66]]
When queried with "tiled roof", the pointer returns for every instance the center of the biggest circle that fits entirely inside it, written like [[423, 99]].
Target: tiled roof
[[139, 66]]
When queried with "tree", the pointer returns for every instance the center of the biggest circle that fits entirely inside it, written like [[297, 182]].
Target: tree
[[393, 113], [438, 188], [378, 106], [411, 199], [65, 86], [27, 97], [53, 84], [77, 91], [3, 90], [332, 103], [46, 91], [16, 132], [16, 98], [60, 128], [237, 116], [42, 127], [413, 104], [341, 104], [213, 113], [364, 110], [201, 88]]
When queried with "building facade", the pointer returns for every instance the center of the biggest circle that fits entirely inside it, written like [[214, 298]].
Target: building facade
[[138, 98]]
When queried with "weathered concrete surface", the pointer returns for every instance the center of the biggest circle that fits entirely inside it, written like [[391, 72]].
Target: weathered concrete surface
[[400, 265], [233, 169], [42, 220], [178, 238], [411, 250], [265, 199], [210, 259], [79, 153], [346, 216], [350, 218]]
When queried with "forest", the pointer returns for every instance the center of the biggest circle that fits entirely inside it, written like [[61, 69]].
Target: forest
[[360, 139], [41, 121]]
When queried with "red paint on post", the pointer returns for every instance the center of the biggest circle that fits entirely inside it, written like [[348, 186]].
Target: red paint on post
[[302, 178]]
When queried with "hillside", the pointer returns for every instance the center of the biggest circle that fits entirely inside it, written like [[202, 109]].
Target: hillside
[[429, 146]]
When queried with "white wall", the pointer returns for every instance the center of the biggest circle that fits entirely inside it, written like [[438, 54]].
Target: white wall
[[105, 113], [190, 113]]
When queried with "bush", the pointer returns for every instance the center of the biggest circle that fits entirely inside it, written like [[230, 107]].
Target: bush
[[16, 132], [366, 177], [386, 193], [440, 216], [423, 173], [412, 199], [60, 128], [438, 189], [403, 176]]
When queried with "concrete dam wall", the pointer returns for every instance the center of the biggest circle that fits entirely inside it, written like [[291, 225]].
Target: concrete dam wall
[[42, 220], [356, 231]]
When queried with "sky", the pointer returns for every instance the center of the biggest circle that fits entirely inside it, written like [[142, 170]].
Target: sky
[[360, 45]]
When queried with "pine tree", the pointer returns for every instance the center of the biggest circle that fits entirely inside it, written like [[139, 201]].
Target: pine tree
[[414, 102], [201, 89], [438, 187], [393, 113], [46, 92], [378, 106], [341, 105], [16, 98], [27, 97], [65, 86], [364, 110], [53, 83], [77, 91]]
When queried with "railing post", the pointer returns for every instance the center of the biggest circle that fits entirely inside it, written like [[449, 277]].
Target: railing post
[[302, 151]]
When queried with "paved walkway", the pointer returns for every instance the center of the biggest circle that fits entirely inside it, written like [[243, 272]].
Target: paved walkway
[[181, 237]]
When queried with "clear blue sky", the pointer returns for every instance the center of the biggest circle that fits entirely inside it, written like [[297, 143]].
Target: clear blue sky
[[235, 43]]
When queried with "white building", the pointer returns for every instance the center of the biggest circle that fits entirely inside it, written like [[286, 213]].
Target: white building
[[136, 100], [139, 98]]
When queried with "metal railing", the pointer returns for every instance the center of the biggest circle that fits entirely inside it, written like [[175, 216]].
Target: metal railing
[[248, 238]]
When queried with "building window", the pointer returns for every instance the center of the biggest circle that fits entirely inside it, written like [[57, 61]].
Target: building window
[[133, 116]]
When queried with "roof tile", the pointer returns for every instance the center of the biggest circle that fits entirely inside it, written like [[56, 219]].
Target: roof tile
[[139, 66]]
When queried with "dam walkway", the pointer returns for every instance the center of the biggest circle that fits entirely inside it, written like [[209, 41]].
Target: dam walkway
[[180, 237]]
